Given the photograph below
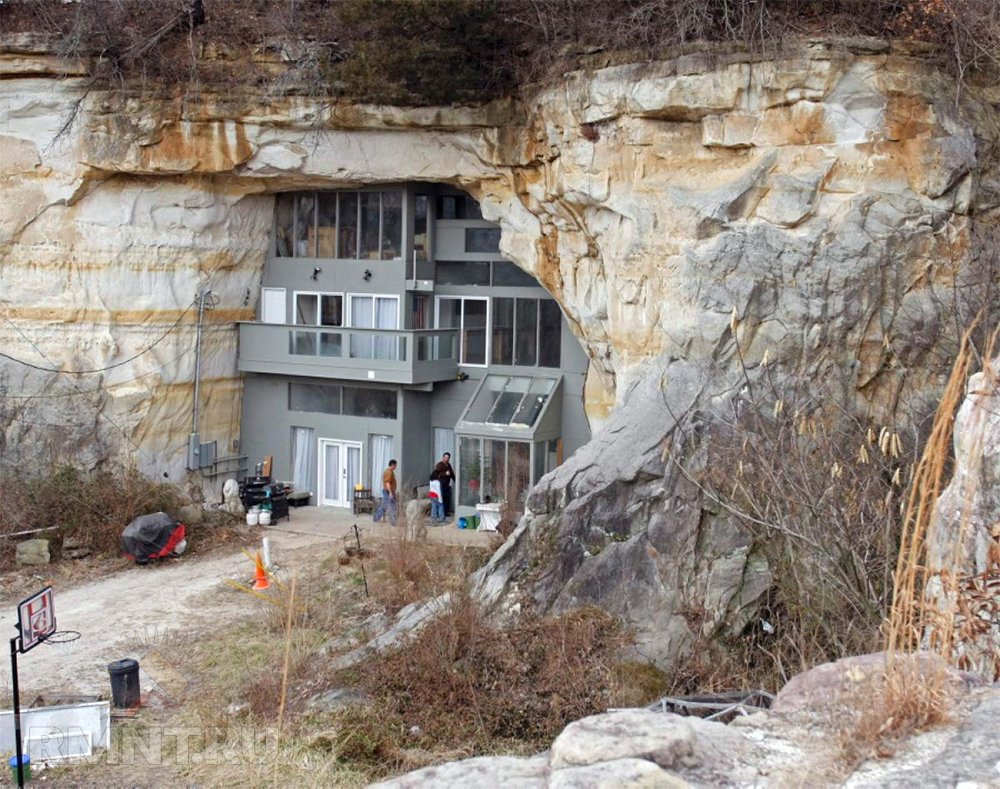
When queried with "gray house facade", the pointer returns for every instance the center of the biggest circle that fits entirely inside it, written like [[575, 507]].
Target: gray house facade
[[390, 326]]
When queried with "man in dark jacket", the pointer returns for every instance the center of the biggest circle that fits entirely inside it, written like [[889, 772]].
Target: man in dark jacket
[[446, 476]]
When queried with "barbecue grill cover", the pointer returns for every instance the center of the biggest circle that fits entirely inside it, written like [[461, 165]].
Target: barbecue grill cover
[[152, 536]]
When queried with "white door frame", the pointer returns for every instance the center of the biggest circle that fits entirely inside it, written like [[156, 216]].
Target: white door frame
[[343, 495]]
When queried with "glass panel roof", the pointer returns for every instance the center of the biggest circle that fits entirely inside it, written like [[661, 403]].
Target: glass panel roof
[[510, 400]]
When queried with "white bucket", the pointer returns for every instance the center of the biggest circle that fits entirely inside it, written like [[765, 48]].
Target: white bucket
[[265, 517], [252, 517]]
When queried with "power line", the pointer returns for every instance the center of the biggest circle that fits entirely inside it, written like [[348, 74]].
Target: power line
[[98, 389], [87, 372]]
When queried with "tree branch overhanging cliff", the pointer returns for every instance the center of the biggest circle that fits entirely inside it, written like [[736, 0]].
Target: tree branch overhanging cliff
[[416, 52]]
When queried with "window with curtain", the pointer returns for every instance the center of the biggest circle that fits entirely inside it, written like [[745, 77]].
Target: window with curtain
[[444, 441], [380, 453], [375, 312], [303, 457]]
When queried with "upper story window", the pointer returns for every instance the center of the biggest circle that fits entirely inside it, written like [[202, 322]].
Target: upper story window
[[470, 315], [354, 225], [319, 309], [482, 240], [347, 400], [498, 273], [457, 207], [526, 332]]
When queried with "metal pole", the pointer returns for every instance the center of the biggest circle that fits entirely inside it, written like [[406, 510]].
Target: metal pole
[[17, 711], [202, 296], [361, 558]]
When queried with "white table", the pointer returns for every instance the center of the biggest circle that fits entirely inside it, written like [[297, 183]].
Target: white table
[[489, 516]]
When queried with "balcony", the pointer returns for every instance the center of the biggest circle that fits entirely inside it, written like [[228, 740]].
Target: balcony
[[389, 356]]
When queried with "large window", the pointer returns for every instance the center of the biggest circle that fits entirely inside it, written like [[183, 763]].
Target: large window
[[499, 273], [492, 470], [526, 332], [346, 400], [317, 309], [348, 225], [470, 316]]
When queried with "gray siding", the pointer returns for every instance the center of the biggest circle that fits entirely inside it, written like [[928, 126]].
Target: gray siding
[[267, 427], [417, 447]]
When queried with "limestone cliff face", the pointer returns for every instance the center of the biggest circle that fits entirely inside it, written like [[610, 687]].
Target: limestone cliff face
[[827, 199]]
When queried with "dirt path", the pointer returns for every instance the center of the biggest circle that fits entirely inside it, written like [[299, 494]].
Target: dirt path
[[123, 614]]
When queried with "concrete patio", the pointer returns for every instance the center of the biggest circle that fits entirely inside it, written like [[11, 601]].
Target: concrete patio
[[336, 523]]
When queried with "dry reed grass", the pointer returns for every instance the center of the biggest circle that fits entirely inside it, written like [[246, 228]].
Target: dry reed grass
[[917, 689]]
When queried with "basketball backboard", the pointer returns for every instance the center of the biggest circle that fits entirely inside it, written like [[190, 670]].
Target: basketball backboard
[[36, 618]]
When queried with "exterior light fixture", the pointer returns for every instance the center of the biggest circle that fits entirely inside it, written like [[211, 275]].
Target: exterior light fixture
[[367, 275], [316, 272]]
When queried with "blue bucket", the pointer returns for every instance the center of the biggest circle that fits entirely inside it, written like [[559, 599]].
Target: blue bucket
[[462, 523], [25, 767]]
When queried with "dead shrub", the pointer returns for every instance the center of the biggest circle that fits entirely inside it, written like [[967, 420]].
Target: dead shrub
[[91, 508], [916, 690], [406, 571], [459, 683], [819, 489], [913, 694]]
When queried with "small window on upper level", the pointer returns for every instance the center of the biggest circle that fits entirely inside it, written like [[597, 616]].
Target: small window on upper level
[[482, 239], [458, 207]]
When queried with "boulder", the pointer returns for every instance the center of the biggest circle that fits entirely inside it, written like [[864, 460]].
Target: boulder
[[32, 552], [335, 699], [191, 514], [74, 548]]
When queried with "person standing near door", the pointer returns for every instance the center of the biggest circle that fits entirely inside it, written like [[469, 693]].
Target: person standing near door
[[388, 504], [446, 476]]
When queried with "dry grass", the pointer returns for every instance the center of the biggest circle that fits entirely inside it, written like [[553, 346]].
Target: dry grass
[[461, 685], [457, 687], [916, 690]]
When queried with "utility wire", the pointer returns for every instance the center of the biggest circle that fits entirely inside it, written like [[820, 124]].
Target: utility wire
[[87, 372], [103, 388]]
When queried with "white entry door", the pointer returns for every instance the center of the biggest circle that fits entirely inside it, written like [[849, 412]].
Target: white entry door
[[272, 309], [339, 471]]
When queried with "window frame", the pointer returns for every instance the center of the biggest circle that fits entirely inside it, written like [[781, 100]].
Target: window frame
[[461, 327], [319, 294]]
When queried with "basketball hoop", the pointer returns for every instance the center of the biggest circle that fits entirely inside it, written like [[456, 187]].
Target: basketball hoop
[[64, 639]]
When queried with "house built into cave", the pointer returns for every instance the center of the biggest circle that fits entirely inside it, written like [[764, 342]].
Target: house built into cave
[[390, 326]]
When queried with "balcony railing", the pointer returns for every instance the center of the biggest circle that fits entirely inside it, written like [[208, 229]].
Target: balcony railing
[[408, 357]]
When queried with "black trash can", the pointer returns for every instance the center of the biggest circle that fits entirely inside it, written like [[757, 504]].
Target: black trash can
[[124, 683]]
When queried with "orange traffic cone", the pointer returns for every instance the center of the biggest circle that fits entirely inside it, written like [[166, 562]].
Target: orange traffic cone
[[260, 581]]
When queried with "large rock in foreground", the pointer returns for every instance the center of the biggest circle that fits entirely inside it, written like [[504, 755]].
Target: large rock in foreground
[[801, 744]]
